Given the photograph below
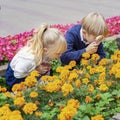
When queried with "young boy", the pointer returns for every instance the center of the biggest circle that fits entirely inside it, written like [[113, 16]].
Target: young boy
[[81, 38]]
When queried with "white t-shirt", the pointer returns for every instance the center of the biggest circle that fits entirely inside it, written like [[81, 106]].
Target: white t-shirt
[[23, 63]]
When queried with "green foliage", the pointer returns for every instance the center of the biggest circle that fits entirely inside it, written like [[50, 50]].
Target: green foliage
[[49, 113], [2, 82], [2, 99], [109, 47], [107, 105], [55, 64]]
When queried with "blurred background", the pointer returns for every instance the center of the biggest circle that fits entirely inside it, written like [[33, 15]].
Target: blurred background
[[18, 16]]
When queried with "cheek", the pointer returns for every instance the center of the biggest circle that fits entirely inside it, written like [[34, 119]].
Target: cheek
[[52, 57], [91, 39]]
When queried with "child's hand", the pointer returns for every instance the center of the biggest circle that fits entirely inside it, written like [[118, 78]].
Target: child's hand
[[43, 67], [99, 39], [92, 48]]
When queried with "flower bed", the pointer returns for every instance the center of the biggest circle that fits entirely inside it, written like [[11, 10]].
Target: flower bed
[[86, 92], [10, 44]]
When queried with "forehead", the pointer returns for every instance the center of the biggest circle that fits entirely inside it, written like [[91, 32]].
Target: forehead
[[92, 36]]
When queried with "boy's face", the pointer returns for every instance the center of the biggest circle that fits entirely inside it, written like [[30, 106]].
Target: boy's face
[[88, 37]]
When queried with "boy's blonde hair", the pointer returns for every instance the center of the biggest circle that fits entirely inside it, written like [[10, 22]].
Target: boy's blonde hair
[[50, 38], [94, 23]]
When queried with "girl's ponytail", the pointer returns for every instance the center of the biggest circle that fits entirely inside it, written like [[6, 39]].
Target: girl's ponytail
[[37, 45]]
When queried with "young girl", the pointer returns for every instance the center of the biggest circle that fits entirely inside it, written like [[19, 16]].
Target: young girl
[[47, 43]]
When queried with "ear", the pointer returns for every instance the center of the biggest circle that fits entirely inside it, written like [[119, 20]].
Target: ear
[[45, 50], [84, 32]]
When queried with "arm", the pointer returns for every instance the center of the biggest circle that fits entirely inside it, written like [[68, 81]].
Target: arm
[[73, 52], [100, 51]]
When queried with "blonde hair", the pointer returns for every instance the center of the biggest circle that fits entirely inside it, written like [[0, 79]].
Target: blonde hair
[[94, 23], [46, 37]]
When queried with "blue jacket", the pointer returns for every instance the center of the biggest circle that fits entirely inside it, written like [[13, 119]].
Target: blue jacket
[[10, 78], [76, 47]]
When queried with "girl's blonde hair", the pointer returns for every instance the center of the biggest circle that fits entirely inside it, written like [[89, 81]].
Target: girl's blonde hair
[[94, 23], [46, 37]]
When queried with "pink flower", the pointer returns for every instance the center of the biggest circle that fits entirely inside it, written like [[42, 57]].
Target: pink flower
[[10, 44]]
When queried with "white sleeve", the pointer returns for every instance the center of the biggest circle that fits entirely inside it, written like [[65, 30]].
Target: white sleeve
[[23, 67]]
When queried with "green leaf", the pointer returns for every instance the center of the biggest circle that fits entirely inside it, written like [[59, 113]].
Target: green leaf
[[86, 118]]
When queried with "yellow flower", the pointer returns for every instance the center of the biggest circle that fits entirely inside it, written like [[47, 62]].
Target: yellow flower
[[117, 75], [117, 53], [47, 78], [18, 94], [19, 101], [16, 87], [86, 55], [103, 61], [8, 94], [66, 89], [3, 89], [113, 57], [34, 73], [73, 102], [84, 62], [97, 117], [73, 76], [90, 88], [29, 108], [50, 103], [15, 115], [115, 68], [98, 96], [100, 69], [33, 94], [5, 110], [88, 99], [92, 70], [72, 63], [0, 88], [87, 75], [109, 83], [85, 81], [4, 117], [59, 69], [96, 82], [102, 78], [103, 87], [53, 86], [64, 74], [31, 81], [67, 113], [78, 83], [95, 57], [38, 114], [67, 67]]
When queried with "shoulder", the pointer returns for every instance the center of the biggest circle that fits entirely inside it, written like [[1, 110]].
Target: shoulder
[[75, 28], [25, 53], [73, 32], [24, 56]]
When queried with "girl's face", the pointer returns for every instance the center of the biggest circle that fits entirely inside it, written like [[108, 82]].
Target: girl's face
[[51, 55], [54, 55]]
